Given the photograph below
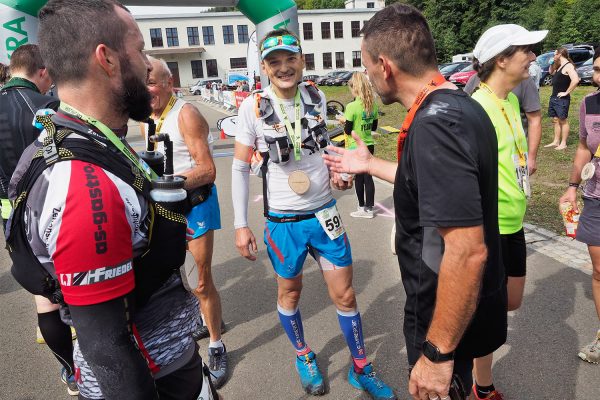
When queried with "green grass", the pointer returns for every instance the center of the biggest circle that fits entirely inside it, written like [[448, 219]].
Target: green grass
[[554, 167]]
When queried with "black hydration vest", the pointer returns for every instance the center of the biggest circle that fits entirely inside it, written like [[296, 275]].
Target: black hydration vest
[[165, 251]]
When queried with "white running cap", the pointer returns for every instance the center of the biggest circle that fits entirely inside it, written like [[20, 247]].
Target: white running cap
[[500, 37]]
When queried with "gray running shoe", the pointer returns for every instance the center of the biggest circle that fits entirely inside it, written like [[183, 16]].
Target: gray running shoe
[[217, 365], [202, 331], [591, 352], [72, 388]]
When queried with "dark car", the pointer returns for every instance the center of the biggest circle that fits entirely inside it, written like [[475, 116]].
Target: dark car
[[452, 68], [322, 80], [579, 54], [341, 79], [312, 78], [585, 72]]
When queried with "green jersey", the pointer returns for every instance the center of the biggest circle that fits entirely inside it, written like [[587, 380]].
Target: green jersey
[[361, 122], [512, 201]]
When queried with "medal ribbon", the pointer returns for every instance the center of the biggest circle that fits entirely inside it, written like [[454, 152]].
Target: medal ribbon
[[110, 135], [163, 115], [412, 111], [518, 134], [296, 133]]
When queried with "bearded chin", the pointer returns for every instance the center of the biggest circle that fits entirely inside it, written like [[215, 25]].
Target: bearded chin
[[136, 99]]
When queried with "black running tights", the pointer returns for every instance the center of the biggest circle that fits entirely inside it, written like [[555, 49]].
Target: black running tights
[[364, 183], [57, 335]]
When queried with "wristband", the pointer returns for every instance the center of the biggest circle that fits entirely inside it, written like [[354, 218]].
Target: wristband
[[574, 184]]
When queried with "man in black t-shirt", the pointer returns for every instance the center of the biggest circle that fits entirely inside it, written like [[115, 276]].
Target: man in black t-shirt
[[445, 195]]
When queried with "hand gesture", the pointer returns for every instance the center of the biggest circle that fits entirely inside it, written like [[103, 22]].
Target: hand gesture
[[246, 243], [349, 161], [429, 380]]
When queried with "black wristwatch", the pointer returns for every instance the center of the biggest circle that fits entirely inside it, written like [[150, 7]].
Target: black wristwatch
[[432, 352]]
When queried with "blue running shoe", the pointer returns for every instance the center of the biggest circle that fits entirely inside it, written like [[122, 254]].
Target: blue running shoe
[[69, 380], [370, 383], [310, 376]]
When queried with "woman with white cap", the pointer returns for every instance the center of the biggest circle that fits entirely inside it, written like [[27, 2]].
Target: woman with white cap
[[502, 58]]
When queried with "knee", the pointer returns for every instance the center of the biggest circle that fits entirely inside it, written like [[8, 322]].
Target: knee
[[288, 298], [555, 120], [205, 285], [345, 300], [596, 274]]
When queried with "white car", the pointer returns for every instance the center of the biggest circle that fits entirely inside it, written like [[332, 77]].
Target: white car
[[197, 88]]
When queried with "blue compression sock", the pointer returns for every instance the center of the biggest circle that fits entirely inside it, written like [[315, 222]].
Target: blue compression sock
[[351, 326], [292, 325]]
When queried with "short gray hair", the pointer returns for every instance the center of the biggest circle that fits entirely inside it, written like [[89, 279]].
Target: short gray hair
[[163, 66]]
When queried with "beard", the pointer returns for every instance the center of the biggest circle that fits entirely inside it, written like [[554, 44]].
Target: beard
[[133, 98]]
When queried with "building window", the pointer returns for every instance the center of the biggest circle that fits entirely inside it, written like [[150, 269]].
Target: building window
[[326, 60], [243, 34], [156, 37], [208, 35], [193, 36], [356, 62], [370, 4], [211, 68], [355, 28], [307, 29], [338, 30], [197, 71], [238, 62], [228, 37], [172, 38], [325, 30], [309, 59], [339, 59]]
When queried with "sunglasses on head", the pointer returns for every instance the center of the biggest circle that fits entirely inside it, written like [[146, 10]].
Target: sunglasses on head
[[274, 41]]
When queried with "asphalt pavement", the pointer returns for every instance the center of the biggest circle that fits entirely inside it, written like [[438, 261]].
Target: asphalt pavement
[[538, 362]]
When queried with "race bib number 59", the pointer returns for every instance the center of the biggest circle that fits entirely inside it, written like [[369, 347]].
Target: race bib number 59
[[331, 222]]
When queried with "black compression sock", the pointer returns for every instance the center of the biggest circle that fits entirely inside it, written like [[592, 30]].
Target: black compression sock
[[484, 391], [57, 335]]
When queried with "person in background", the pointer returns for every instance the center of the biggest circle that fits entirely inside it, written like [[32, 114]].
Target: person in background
[[535, 71], [502, 58], [245, 87], [564, 81], [4, 74], [361, 117], [20, 98], [446, 201], [588, 229], [531, 114]]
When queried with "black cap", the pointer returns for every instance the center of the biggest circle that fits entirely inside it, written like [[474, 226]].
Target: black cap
[[168, 182]]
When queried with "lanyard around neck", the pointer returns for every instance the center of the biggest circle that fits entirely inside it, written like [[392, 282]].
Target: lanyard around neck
[[163, 115], [435, 83], [296, 133], [518, 134], [110, 135]]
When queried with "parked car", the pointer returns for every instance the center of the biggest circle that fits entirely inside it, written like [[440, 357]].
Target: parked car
[[460, 78], [449, 69], [312, 78], [197, 88], [578, 53], [341, 79], [585, 72], [322, 80]]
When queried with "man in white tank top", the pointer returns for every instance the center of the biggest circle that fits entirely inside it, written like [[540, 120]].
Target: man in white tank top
[[192, 158]]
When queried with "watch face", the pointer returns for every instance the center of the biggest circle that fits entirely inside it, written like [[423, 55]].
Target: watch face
[[430, 351]]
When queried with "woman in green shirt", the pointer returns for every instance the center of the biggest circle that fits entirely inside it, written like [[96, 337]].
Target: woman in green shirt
[[361, 117], [503, 55]]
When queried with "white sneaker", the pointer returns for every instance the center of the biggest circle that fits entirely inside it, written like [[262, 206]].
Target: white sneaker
[[361, 212]]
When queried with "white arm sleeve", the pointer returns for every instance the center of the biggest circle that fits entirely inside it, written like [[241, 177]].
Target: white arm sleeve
[[240, 185]]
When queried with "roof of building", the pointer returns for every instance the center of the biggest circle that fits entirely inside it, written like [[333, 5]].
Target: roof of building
[[239, 14]]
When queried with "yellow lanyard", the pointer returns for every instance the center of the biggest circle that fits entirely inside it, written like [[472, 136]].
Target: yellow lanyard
[[163, 115], [296, 133], [518, 134]]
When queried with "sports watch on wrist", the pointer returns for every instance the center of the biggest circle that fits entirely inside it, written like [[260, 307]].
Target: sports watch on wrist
[[432, 352]]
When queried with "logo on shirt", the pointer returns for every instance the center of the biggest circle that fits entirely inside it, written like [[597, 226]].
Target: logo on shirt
[[98, 215], [96, 275]]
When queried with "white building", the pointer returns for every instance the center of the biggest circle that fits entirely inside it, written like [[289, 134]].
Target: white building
[[365, 3], [207, 45]]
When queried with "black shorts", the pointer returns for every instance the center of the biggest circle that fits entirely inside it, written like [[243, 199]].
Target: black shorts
[[514, 254], [559, 107]]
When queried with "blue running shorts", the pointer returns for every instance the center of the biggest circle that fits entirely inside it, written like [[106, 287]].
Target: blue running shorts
[[288, 243], [205, 216]]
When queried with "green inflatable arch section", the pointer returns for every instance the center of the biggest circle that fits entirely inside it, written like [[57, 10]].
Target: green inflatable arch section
[[18, 18]]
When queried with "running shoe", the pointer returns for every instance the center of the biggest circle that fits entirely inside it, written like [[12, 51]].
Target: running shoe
[[310, 376], [591, 352], [494, 395], [218, 366], [202, 331], [369, 382], [362, 212], [72, 388]]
